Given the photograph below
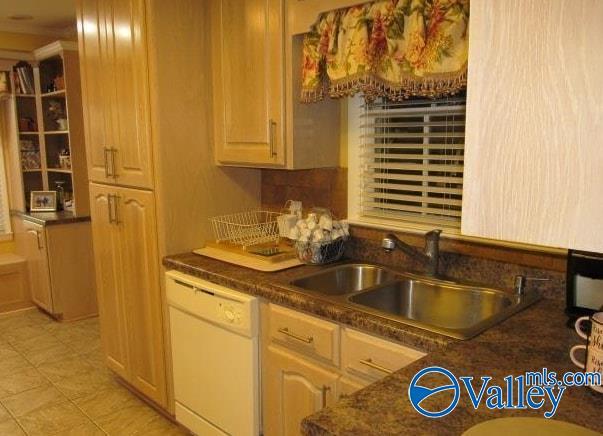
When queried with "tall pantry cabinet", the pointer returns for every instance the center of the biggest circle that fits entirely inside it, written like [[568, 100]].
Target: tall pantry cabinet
[[147, 86]]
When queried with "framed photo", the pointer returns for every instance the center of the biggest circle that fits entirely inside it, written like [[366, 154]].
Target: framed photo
[[43, 201]]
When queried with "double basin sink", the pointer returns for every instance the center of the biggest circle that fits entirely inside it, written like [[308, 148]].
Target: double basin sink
[[453, 309]]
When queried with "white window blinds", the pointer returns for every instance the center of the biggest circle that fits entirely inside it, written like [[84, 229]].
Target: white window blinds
[[412, 160]]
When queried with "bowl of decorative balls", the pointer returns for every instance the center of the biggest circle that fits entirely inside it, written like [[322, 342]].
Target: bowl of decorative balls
[[319, 239]]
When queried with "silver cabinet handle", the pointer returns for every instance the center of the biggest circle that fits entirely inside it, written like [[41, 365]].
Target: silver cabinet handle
[[110, 207], [35, 232], [325, 390], [116, 199], [105, 152], [272, 137], [285, 331], [369, 362], [113, 171]]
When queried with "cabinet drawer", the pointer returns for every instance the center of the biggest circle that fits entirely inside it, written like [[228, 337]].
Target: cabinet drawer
[[372, 357], [307, 334]]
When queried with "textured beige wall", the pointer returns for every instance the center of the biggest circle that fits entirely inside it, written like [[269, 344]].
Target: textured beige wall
[[23, 41], [7, 247]]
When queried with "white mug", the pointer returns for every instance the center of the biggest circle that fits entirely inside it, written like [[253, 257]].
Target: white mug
[[596, 334], [594, 362]]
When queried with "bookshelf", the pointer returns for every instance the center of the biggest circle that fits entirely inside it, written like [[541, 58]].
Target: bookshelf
[[50, 149]]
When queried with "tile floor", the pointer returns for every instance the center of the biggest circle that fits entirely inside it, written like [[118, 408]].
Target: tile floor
[[53, 382]]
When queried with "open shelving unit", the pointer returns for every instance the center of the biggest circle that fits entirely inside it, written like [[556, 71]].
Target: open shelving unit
[[50, 136]]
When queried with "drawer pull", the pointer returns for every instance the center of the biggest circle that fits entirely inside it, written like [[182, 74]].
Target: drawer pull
[[285, 331], [325, 390], [107, 173], [369, 362]]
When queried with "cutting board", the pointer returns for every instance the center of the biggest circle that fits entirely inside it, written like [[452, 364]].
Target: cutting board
[[237, 256]]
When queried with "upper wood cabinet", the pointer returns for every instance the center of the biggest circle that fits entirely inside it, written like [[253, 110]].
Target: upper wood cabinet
[[247, 60], [533, 160], [256, 65], [96, 100], [112, 42]]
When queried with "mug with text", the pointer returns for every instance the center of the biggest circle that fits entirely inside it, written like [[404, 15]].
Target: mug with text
[[595, 340], [593, 362]]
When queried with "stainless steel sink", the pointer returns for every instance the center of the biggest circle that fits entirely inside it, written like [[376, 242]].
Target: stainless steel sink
[[345, 279], [452, 309]]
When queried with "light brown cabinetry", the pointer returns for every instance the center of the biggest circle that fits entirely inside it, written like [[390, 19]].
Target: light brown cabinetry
[[347, 385], [128, 289], [125, 242], [294, 388], [112, 308], [34, 250], [145, 63], [256, 64], [248, 66], [113, 40], [59, 265], [14, 284], [301, 365]]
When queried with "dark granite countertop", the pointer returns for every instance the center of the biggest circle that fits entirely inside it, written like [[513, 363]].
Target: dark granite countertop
[[274, 287], [51, 218], [528, 341]]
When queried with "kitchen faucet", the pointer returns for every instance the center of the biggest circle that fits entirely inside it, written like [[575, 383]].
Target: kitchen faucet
[[430, 258]]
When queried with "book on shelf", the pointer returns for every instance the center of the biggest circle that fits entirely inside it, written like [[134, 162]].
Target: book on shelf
[[24, 81], [27, 145]]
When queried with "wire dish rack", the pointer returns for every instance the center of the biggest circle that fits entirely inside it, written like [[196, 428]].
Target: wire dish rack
[[246, 228]]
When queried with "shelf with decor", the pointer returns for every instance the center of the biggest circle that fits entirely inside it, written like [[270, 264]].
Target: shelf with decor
[[48, 113], [60, 92], [43, 155]]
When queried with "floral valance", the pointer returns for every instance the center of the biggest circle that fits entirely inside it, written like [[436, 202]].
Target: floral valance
[[391, 48]]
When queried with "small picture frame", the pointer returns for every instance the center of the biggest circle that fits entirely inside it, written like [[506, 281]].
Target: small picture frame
[[43, 201]]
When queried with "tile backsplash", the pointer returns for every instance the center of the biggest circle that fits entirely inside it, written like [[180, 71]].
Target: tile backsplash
[[320, 187], [478, 262]]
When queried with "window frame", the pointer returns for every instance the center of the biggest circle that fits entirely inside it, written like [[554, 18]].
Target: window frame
[[355, 216], [7, 235]]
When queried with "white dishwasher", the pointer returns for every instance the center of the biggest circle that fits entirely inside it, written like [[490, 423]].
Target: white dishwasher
[[215, 355]]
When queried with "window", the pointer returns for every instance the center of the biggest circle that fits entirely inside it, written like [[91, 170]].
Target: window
[[5, 231], [4, 213], [406, 161]]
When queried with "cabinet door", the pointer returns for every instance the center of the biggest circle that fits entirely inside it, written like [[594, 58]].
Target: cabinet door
[[126, 33], [135, 212], [533, 138], [248, 69], [111, 305], [294, 388], [96, 76], [34, 247], [347, 385]]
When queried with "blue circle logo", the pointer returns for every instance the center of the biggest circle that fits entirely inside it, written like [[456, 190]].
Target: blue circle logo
[[417, 393]]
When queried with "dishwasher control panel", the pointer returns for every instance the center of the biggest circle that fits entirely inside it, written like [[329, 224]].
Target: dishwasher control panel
[[230, 312], [214, 303]]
